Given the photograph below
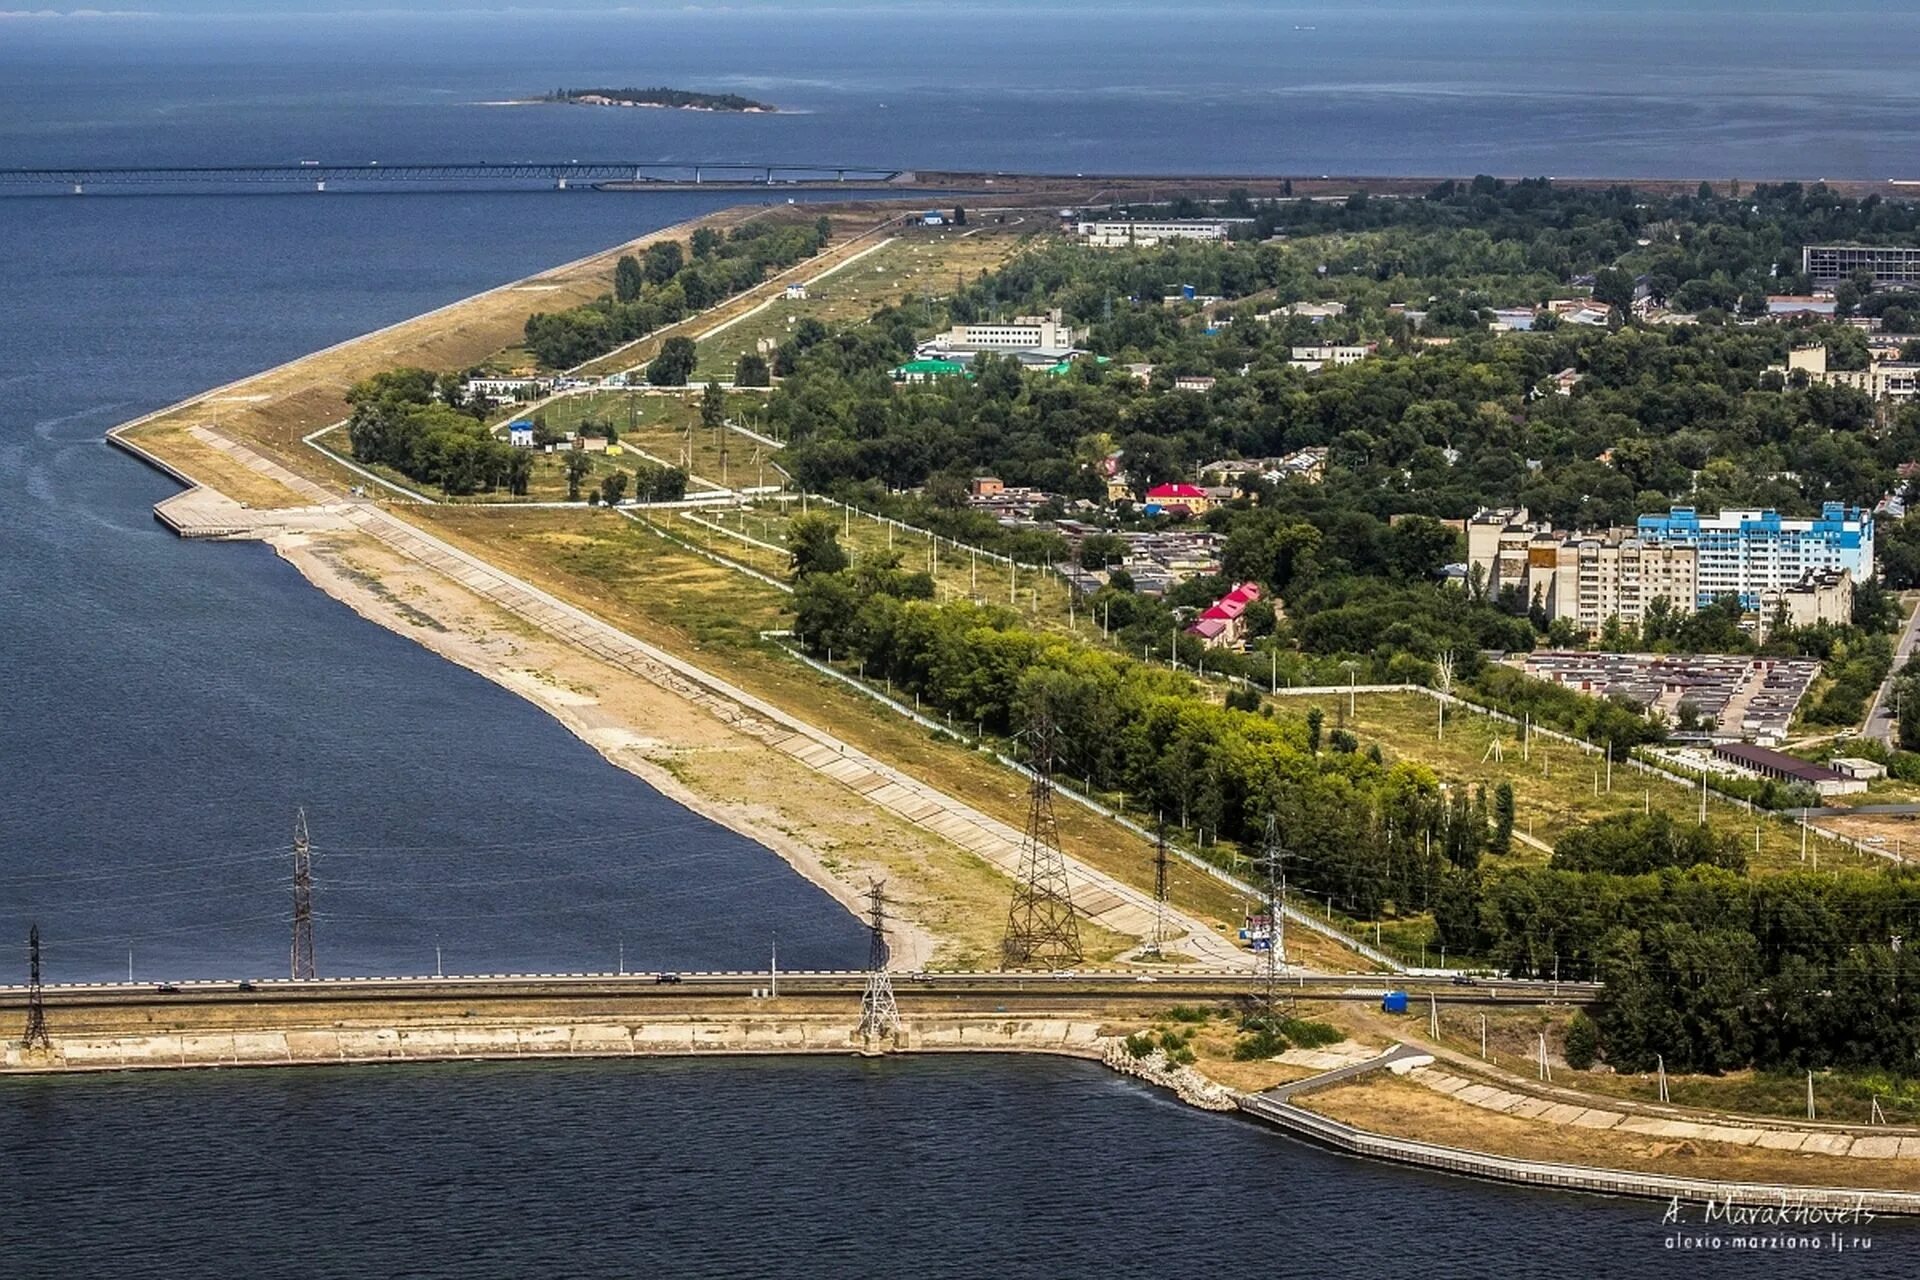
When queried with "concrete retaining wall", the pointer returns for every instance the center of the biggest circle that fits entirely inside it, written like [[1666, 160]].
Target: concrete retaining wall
[[295, 1046], [1568, 1177]]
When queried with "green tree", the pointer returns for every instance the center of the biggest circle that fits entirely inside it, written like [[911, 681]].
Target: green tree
[[1503, 816], [675, 363], [751, 371], [1583, 1037], [1315, 719], [664, 261], [959, 216], [713, 407], [706, 242], [628, 279], [813, 546], [613, 488], [577, 468]]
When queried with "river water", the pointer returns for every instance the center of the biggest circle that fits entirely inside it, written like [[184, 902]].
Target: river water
[[166, 705]]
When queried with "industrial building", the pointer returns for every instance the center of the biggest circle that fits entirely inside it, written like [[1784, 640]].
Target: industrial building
[[1753, 553], [1785, 768], [1118, 234], [1830, 264], [1022, 333]]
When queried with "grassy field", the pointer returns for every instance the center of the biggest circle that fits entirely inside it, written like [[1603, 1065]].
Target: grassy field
[[1556, 786], [666, 426], [916, 261], [1042, 597]]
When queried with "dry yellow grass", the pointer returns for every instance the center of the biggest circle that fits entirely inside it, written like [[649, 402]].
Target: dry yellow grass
[[1383, 1103]]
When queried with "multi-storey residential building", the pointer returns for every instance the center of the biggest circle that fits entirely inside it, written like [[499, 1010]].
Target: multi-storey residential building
[[1753, 553], [1585, 578], [1884, 378], [1829, 264]]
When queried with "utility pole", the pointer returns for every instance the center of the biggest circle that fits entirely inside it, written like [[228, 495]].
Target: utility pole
[[1483, 1037], [879, 1015], [37, 1038], [1271, 854], [1660, 1062], [302, 899], [773, 969], [1040, 923]]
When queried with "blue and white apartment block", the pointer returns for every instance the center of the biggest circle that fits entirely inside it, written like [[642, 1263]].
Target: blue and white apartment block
[[1749, 553]]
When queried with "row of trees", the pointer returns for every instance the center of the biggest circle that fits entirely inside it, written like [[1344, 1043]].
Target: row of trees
[[400, 420], [667, 283], [1705, 967]]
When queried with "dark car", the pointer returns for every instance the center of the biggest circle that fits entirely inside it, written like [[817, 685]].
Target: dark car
[[666, 977], [1463, 980], [167, 989], [243, 985]]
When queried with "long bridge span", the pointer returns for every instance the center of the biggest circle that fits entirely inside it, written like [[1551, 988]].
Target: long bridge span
[[557, 174]]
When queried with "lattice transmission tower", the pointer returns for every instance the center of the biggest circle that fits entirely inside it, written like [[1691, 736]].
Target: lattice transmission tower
[[1041, 928], [302, 898], [37, 1037], [879, 1015], [1275, 858], [1152, 950]]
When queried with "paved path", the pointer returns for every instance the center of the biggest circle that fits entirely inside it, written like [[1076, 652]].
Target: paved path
[[1285, 1092], [1880, 719]]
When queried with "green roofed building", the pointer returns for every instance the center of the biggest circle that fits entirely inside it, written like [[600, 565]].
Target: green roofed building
[[928, 370]]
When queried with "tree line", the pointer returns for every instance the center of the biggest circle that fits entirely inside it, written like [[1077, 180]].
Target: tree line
[[668, 282]]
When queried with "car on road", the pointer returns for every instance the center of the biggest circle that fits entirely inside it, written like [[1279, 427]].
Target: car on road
[[666, 977], [1464, 980], [166, 989], [243, 985]]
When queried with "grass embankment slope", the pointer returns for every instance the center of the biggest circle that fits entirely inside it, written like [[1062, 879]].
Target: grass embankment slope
[[712, 616]]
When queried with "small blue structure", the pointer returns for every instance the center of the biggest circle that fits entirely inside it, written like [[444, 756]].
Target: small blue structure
[[1393, 1002], [520, 434]]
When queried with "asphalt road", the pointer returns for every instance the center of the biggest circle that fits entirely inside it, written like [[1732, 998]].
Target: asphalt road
[[1880, 719]]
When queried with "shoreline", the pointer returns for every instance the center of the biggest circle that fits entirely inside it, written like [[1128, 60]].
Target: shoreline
[[913, 944]]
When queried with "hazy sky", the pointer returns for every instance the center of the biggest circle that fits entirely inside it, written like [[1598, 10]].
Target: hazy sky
[[104, 9]]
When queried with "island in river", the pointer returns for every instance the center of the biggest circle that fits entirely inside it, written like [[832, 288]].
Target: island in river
[[685, 99]]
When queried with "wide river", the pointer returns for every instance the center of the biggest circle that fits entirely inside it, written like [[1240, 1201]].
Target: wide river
[[167, 705]]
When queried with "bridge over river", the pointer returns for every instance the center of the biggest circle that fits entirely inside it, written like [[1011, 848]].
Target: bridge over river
[[456, 175]]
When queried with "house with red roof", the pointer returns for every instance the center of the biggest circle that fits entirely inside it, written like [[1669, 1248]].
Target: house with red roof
[[1172, 498], [1223, 624]]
